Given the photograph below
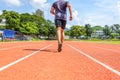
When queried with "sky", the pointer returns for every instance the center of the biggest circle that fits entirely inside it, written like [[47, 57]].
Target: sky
[[94, 12]]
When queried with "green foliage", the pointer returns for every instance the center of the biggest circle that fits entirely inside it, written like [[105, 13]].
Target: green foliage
[[39, 13], [12, 19], [67, 32], [88, 30], [51, 28], [116, 28], [25, 17], [113, 35], [76, 31], [2, 27], [29, 24], [0, 20], [29, 28], [107, 30], [44, 31], [35, 24], [97, 28]]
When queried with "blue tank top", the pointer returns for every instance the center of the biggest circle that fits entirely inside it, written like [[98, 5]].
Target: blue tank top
[[60, 9]]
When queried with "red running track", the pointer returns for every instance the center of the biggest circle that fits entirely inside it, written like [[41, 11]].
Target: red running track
[[41, 61]]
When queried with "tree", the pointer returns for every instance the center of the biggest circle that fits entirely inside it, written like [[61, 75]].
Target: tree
[[29, 28], [25, 17], [76, 31], [26, 23], [116, 28], [36, 22], [51, 28], [43, 31], [39, 13], [67, 32], [0, 20], [107, 31], [88, 30], [12, 19], [97, 28]]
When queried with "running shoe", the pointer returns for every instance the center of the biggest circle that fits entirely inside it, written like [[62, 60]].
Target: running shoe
[[59, 47]]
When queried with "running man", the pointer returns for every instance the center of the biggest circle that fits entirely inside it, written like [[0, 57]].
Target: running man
[[58, 9]]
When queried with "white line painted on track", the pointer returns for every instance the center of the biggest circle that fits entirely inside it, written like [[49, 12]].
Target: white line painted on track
[[97, 61], [21, 59], [105, 48]]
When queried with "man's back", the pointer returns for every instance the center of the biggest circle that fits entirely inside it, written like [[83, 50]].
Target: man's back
[[60, 9]]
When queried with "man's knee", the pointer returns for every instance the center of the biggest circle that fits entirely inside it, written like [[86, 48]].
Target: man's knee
[[58, 28]]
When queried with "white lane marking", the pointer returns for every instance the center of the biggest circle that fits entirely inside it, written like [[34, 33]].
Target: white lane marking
[[105, 48], [23, 58], [16, 47], [97, 61]]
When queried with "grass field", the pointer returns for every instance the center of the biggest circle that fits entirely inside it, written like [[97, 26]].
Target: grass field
[[103, 41], [106, 41]]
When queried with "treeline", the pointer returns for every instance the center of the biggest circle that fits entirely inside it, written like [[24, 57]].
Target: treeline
[[88, 31], [29, 24]]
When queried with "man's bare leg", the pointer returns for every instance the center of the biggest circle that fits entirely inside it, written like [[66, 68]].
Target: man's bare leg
[[62, 35], [59, 38], [59, 35]]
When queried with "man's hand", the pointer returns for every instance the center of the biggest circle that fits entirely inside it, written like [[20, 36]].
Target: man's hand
[[71, 18]]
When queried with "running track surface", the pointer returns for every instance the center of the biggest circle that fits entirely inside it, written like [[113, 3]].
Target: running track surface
[[41, 61]]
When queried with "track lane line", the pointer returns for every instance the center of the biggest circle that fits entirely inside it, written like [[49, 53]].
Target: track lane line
[[105, 48], [95, 60], [23, 58]]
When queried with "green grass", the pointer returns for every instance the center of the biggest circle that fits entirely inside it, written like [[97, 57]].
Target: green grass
[[106, 41], [109, 41]]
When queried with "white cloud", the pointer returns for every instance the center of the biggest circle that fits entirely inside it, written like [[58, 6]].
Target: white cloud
[[0, 12], [41, 4], [107, 12], [106, 4], [100, 19], [94, 19], [13, 2], [118, 7], [76, 17], [68, 26]]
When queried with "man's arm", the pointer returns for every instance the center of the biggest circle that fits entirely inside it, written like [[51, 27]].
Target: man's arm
[[70, 11], [52, 11]]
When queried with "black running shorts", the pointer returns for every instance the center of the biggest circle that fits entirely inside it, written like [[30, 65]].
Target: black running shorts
[[60, 23]]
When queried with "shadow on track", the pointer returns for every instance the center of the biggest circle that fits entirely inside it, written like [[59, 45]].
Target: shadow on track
[[45, 50]]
